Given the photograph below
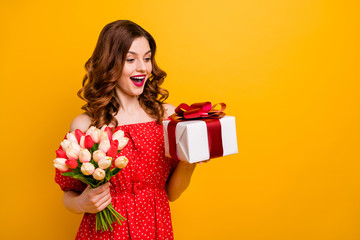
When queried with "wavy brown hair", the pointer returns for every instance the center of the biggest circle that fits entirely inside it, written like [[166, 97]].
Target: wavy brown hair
[[104, 68]]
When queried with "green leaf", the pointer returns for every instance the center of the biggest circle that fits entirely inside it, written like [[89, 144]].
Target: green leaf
[[68, 174]]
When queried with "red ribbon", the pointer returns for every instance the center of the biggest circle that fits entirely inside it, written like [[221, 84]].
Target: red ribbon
[[198, 110], [201, 111]]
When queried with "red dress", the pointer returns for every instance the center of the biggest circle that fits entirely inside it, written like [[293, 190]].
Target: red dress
[[138, 191]]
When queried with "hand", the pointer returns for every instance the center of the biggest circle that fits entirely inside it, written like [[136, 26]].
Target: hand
[[203, 162], [93, 200]]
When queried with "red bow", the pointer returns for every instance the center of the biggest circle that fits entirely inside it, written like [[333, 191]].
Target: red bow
[[205, 112], [198, 110]]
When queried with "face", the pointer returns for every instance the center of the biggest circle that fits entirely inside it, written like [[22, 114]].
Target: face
[[137, 68]]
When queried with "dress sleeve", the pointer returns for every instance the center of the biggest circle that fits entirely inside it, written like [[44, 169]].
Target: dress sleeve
[[68, 183]]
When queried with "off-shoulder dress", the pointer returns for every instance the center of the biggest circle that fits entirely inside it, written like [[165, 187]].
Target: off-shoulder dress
[[138, 191]]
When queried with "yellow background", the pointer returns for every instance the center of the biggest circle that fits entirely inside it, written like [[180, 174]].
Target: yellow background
[[288, 71]]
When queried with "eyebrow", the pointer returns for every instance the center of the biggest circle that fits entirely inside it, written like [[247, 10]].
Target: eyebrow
[[137, 54]]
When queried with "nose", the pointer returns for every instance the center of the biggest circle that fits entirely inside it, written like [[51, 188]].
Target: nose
[[141, 66]]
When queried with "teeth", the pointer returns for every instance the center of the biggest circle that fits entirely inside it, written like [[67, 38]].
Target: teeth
[[139, 78]]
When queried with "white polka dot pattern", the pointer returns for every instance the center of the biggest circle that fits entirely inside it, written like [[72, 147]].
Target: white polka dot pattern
[[138, 191]]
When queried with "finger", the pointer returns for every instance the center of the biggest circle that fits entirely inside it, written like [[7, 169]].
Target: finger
[[105, 200], [102, 195], [102, 188], [104, 205]]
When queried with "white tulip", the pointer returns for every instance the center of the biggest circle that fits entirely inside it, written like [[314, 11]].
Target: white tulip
[[87, 168], [82, 141], [118, 135], [103, 128], [122, 142], [121, 162], [104, 136], [71, 137], [94, 133], [73, 150], [99, 174], [65, 144], [105, 162], [98, 154], [104, 145], [84, 155], [60, 164]]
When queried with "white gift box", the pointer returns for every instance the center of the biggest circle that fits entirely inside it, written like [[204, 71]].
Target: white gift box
[[192, 139]]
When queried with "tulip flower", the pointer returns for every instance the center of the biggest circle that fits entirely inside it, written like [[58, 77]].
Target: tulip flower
[[89, 157], [99, 174], [108, 130], [113, 150], [105, 162], [121, 162], [82, 141], [118, 135], [73, 151], [65, 144], [104, 145], [84, 155], [71, 137], [98, 154], [103, 127], [87, 168], [122, 142], [79, 134], [71, 163], [104, 136], [88, 142], [60, 164], [94, 133], [60, 153]]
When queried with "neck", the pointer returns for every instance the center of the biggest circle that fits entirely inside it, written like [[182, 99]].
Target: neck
[[128, 104]]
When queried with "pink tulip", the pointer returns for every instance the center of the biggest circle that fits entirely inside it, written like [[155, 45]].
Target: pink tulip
[[79, 134], [71, 163], [60, 153], [113, 149], [108, 131], [88, 142]]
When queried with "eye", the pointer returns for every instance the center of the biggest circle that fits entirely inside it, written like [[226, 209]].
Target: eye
[[148, 59], [130, 59]]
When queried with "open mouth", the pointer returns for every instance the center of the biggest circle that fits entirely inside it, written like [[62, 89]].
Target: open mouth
[[138, 80]]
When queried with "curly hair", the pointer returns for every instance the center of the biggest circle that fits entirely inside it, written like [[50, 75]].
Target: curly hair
[[104, 68]]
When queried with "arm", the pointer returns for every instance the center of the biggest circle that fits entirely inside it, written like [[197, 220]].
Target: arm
[[180, 178], [91, 200]]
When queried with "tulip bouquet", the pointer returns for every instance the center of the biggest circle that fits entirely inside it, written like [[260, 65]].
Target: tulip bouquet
[[88, 157]]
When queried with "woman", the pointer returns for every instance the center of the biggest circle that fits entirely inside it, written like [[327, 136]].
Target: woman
[[122, 88]]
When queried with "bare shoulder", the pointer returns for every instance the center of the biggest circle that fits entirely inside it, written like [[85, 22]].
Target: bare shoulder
[[81, 122], [169, 109]]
